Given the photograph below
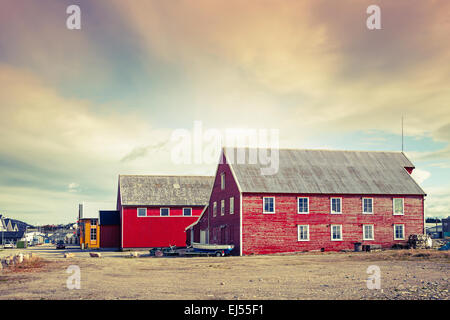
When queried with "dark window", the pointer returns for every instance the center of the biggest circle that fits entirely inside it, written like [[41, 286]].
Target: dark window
[[187, 211]]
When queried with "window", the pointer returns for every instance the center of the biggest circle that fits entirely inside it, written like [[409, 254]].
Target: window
[[336, 205], [222, 207], [303, 233], [399, 232], [232, 205], [142, 212], [368, 232], [164, 212], [336, 232], [94, 234], [398, 206], [367, 205], [222, 181], [268, 205], [214, 209], [187, 211], [303, 205], [93, 222]]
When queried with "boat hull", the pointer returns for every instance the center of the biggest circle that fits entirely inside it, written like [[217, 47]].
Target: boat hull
[[212, 247]]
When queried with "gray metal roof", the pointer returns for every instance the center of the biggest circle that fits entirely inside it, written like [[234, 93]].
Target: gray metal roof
[[165, 190], [329, 172]]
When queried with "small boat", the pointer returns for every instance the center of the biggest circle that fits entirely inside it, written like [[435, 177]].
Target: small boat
[[224, 249]]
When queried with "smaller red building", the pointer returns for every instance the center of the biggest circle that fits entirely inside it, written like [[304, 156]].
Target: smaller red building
[[109, 229], [155, 210]]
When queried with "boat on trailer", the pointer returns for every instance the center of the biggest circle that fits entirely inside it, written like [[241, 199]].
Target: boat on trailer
[[217, 249]]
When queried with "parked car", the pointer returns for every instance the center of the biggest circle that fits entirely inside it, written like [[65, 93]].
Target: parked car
[[60, 245], [8, 246]]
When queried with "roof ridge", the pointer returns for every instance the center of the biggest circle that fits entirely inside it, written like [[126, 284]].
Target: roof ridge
[[162, 175], [312, 149]]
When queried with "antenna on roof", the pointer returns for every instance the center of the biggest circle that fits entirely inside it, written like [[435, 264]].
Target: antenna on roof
[[402, 133]]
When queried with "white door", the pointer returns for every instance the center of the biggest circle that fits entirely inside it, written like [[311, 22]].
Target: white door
[[202, 236]]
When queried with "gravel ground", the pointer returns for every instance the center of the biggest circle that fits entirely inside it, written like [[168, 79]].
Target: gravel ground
[[418, 274]]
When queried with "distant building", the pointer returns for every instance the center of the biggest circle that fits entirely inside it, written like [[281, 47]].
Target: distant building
[[11, 236], [446, 227], [2, 224], [435, 231]]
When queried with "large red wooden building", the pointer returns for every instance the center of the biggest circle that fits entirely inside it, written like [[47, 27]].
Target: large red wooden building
[[155, 210], [317, 200]]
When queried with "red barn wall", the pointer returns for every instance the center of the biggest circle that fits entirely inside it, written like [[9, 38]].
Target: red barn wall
[[222, 229], [154, 230], [110, 236], [202, 224], [270, 233]]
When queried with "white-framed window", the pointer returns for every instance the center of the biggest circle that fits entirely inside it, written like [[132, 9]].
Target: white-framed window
[[232, 205], [187, 212], [222, 181], [214, 209], [268, 204], [94, 234], [302, 205], [367, 205], [164, 212], [398, 206], [399, 232], [93, 222], [368, 232], [142, 212], [222, 207], [336, 205], [303, 232], [336, 232]]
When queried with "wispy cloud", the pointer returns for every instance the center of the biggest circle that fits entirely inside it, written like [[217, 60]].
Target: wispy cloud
[[140, 152]]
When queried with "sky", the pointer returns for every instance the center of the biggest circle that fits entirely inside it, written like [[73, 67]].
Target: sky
[[80, 107]]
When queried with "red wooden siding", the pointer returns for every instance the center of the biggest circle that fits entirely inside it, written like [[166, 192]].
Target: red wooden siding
[[154, 230], [270, 233], [222, 229], [110, 236]]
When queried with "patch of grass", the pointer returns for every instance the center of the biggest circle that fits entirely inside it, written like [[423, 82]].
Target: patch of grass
[[29, 265], [404, 255]]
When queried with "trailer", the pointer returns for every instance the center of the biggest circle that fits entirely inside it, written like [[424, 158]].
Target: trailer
[[196, 250]]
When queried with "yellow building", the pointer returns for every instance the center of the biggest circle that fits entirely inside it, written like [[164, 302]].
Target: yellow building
[[89, 233]]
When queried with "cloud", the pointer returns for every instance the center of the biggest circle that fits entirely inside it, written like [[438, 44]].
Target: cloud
[[420, 175], [314, 61], [96, 103], [437, 202], [48, 140], [73, 187], [140, 152]]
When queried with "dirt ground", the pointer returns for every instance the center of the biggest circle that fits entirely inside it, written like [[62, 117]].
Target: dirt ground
[[405, 274]]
